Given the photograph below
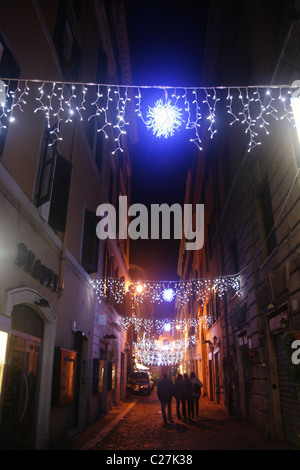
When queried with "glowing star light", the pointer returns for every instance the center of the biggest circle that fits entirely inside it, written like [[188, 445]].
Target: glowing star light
[[164, 119], [168, 294]]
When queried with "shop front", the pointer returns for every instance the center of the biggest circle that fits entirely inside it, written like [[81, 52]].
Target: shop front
[[26, 372]]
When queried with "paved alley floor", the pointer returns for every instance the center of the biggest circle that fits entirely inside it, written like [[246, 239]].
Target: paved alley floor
[[138, 425]]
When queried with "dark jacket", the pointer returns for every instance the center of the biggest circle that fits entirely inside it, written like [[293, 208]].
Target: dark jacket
[[196, 387], [179, 388], [165, 389], [187, 393]]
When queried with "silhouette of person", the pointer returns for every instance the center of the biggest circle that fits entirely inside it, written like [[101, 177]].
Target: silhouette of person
[[187, 397], [165, 392], [196, 392], [179, 388]]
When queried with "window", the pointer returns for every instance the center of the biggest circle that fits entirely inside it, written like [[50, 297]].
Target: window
[[234, 259], [53, 185], [8, 69], [66, 45], [101, 66], [76, 4], [90, 243], [267, 217], [111, 187], [99, 150], [48, 162]]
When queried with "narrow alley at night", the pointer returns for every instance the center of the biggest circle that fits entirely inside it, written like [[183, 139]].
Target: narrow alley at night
[[137, 425], [149, 227]]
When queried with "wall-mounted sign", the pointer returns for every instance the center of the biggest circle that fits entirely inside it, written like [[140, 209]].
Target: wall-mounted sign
[[26, 258], [278, 321]]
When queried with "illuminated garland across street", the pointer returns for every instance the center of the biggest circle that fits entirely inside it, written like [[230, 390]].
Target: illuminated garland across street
[[164, 291], [152, 325], [152, 352], [111, 106]]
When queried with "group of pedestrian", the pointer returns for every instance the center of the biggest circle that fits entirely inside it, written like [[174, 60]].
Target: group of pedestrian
[[187, 391], [187, 394]]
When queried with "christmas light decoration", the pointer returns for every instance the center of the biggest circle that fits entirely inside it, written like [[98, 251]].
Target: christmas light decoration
[[153, 352], [164, 119], [159, 291], [139, 288], [109, 287], [253, 107], [154, 325], [168, 294]]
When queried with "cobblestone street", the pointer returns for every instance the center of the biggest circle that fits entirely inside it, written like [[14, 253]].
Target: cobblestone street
[[142, 428]]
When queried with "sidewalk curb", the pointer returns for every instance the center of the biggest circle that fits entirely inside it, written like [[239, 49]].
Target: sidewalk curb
[[93, 442]]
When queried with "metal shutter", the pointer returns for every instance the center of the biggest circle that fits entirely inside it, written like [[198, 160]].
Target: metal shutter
[[290, 406]]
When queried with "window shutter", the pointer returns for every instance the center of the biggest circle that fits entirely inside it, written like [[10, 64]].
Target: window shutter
[[46, 172], [90, 243], [8, 69], [60, 194]]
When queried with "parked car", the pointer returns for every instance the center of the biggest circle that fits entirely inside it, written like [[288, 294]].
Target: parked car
[[140, 382]]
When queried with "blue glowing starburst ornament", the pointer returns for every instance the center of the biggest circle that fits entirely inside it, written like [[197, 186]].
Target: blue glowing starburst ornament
[[164, 119], [168, 295]]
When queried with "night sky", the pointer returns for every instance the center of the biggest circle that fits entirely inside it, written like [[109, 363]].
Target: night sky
[[166, 43]]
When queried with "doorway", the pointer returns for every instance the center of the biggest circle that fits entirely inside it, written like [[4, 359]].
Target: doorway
[[79, 344], [211, 390], [290, 408], [22, 381]]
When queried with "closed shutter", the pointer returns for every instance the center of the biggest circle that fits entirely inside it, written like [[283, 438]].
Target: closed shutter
[[60, 194], [8, 69], [47, 171], [90, 244], [290, 406]]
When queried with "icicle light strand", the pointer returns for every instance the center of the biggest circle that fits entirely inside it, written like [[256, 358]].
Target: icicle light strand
[[253, 107], [159, 291]]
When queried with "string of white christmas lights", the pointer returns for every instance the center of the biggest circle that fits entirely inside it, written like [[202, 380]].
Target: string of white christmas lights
[[190, 107], [154, 352], [165, 291], [161, 325]]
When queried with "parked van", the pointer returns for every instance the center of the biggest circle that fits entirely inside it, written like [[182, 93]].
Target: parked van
[[140, 382]]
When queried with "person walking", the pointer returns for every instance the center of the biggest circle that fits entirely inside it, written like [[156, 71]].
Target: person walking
[[179, 386], [187, 397], [165, 392], [196, 392]]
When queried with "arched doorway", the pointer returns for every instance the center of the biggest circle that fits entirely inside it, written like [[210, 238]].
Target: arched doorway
[[18, 423], [24, 421]]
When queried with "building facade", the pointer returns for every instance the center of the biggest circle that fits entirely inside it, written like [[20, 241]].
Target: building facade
[[251, 200], [63, 355]]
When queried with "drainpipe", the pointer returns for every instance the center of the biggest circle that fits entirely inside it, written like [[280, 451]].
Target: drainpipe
[[65, 235]]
